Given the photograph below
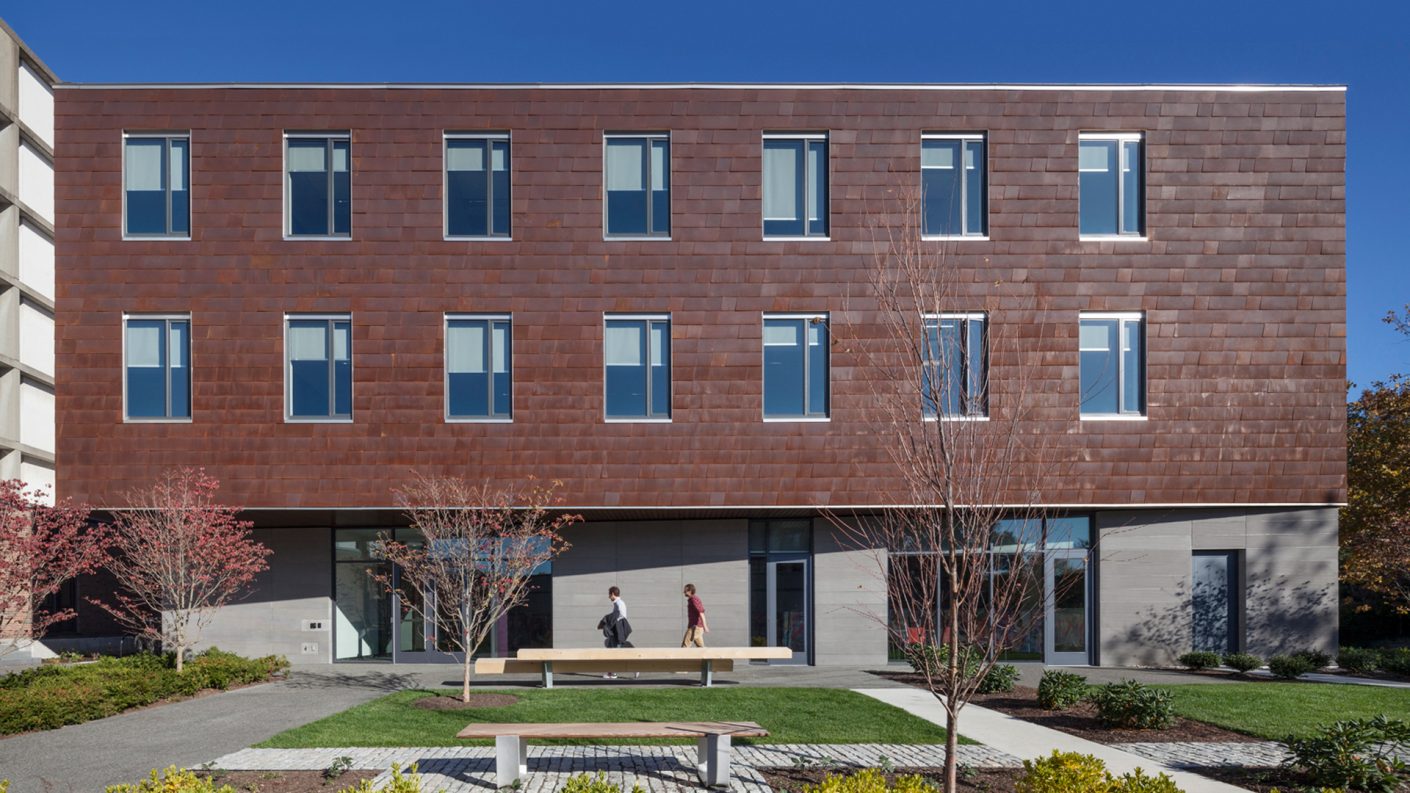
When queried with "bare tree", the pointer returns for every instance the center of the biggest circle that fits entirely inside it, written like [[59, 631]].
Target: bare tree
[[478, 550], [42, 547], [179, 557], [962, 559]]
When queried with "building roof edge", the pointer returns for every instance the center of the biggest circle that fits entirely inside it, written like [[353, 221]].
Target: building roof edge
[[1226, 87]]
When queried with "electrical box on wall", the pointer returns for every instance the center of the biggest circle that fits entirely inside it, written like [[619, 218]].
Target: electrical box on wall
[[315, 625], [309, 648]]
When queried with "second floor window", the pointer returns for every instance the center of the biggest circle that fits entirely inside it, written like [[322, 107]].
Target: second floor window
[[156, 186], [318, 189], [157, 367], [954, 374], [952, 182], [795, 186], [636, 360], [1112, 350], [477, 185], [1112, 183], [319, 372], [795, 367], [637, 186], [479, 380]]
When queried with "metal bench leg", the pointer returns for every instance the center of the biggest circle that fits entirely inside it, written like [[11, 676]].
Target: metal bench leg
[[707, 673], [712, 752], [511, 760], [548, 674]]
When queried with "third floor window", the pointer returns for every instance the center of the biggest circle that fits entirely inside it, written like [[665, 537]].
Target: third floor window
[[637, 186], [479, 368], [1112, 183], [795, 366], [156, 185], [318, 185], [952, 182], [318, 377], [637, 366], [1112, 358], [795, 185], [477, 186]]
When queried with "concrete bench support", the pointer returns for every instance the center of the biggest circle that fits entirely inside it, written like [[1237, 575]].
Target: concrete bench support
[[712, 760], [511, 760]]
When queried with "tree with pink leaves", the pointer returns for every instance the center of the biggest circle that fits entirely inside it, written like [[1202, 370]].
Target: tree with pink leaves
[[178, 557], [42, 546], [478, 550]]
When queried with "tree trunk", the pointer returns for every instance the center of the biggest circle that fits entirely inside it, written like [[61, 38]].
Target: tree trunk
[[180, 658], [952, 749], [465, 681]]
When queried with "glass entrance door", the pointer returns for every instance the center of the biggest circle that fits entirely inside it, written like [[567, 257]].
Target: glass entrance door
[[1065, 627], [786, 597], [1214, 600]]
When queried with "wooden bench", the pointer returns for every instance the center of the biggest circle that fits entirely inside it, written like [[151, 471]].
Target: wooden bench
[[511, 749], [707, 660]]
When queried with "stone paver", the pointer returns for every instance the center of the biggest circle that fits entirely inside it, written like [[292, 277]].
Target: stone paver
[[1213, 754], [657, 769]]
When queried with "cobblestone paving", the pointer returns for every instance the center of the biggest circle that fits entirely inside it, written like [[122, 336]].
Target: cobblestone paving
[[657, 769], [1189, 755]]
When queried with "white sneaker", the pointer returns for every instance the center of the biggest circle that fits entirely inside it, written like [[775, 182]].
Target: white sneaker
[[609, 676]]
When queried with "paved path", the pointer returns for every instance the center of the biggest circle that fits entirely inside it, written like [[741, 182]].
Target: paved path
[[658, 769], [1026, 740], [1260, 754], [84, 758]]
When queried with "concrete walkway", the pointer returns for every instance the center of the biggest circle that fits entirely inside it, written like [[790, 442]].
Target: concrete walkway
[[1030, 741], [84, 758]]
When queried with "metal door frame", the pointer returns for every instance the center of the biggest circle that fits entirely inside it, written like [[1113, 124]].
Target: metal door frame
[[771, 603], [1050, 656]]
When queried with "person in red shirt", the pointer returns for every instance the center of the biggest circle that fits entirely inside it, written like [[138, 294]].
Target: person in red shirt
[[695, 627]]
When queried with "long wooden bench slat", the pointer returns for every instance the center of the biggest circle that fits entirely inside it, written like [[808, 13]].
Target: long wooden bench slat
[[509, 666], [672, 729], [655, 653]]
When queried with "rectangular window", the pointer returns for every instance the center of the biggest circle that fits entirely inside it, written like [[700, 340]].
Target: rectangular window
[[477, 185], [1113, 364], [318, 188], [795, 185], [636, 357], [479, 367], [637, 185], [795, 367], [953, 186], [1112, 181], [157, 367], [319, 373], [157, 185], [955, 373]]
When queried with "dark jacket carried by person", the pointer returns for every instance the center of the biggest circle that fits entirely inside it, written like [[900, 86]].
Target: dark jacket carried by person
[[615, 627]]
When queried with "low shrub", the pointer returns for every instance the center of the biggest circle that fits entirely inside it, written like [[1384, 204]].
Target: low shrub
[[46, 697], [582, 783], [1070, 772], [1396, 660], [869, 780], [1289, 667], [1243, 663], [172, 780], [933, 660], [1001, 678], [1361, 754], [1199, 660], [1059, 690], [1358, 660], [1131, 705], [1317, 658]]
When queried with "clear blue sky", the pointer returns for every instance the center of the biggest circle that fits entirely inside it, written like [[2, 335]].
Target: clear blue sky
[[1365, 45]]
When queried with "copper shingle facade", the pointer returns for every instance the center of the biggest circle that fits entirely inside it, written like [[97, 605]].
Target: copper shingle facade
[[1241, 278]]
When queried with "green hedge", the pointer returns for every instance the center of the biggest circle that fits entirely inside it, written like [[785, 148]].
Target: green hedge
[[45, 697]]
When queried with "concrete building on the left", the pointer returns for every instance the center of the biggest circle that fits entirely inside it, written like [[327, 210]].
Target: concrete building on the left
[[26, 264]]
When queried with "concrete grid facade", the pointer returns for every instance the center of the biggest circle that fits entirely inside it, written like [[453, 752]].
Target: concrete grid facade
[[1236, 463], [26, 264]]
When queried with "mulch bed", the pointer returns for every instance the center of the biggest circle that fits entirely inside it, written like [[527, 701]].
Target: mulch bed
[[971, 780], [1081, 719], [1266, 780], [476, 701], [289, 781]]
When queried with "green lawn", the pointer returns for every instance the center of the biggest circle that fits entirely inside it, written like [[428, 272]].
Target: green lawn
[[1275, 710], [791, 715]]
